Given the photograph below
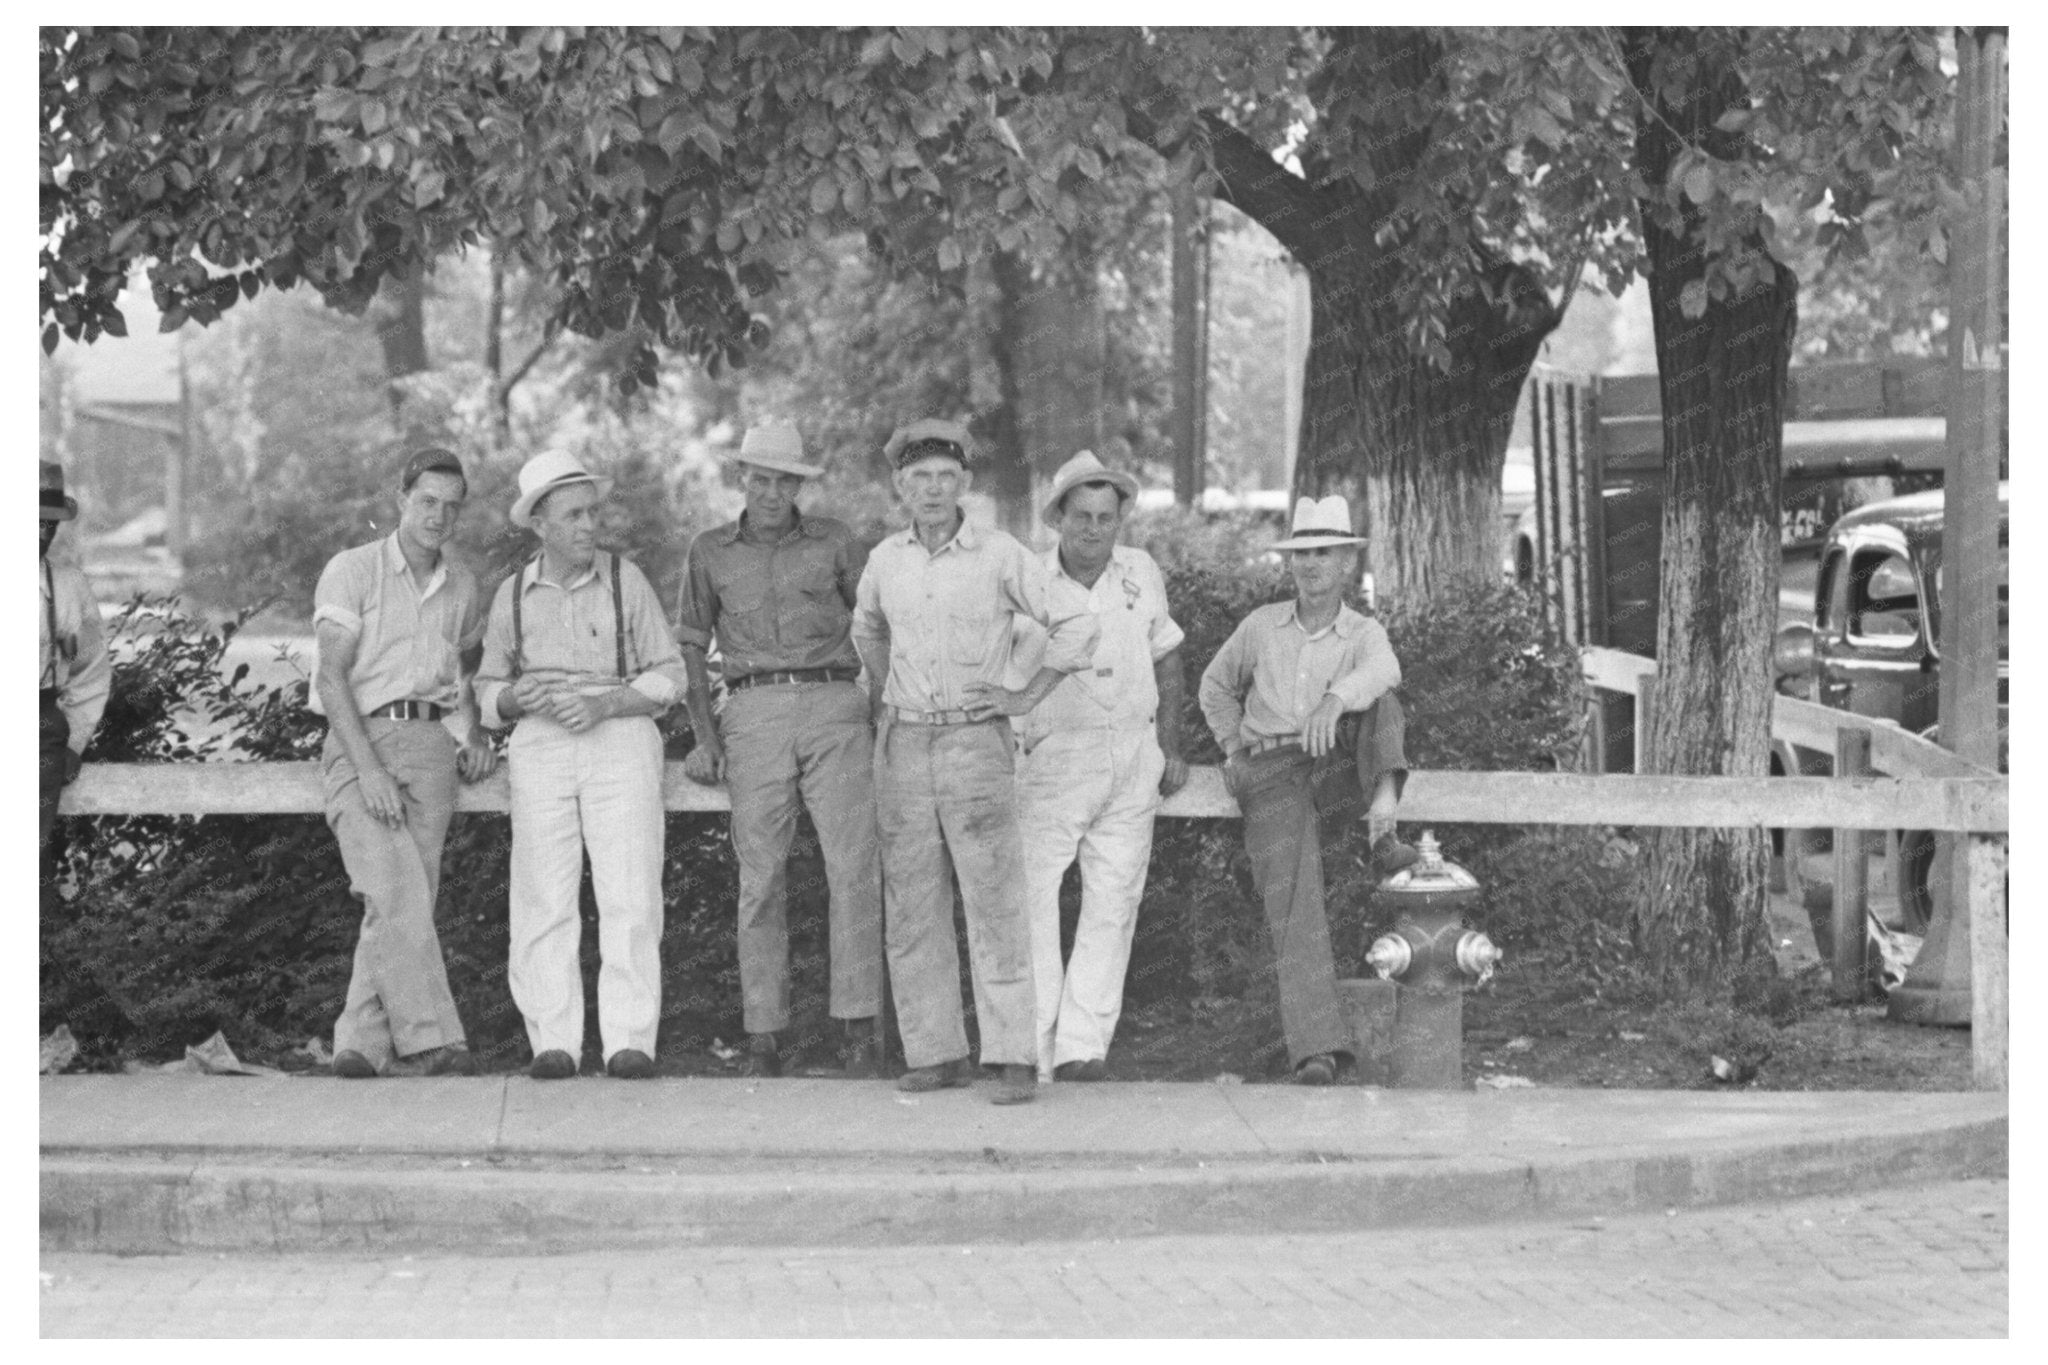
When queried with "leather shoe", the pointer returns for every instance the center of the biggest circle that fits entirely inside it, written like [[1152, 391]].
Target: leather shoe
[[863, 1054], [943, 1076], [629, 1064], [552, 1065], [762, 1059], [1390, 855], [452, 1060], [1019, 1085], [1320, 1069], [351, 1065], [1092, 1069]]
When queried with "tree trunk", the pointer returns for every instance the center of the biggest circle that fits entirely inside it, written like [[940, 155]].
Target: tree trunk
[[499, 393], [400, 317], [1700, 916], [1050, 346]]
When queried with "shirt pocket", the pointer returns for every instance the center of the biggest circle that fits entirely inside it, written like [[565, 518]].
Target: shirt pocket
[[816, 606], [967, 638], [743, 613]]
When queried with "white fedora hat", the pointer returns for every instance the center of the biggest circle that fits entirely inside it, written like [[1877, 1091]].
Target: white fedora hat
[[778, 446], [1083, 469], [1317, 524], [543, 474]]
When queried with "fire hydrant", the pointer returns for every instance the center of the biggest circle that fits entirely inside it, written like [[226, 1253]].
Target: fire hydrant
[[1432, 958]]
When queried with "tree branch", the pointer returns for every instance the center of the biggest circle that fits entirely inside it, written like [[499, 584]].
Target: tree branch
[[1254, 183]]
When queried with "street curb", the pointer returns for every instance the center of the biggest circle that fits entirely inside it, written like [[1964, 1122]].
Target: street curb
[[141, 1202]]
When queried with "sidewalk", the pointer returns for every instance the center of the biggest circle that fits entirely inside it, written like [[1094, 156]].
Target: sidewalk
[[206, 1163]]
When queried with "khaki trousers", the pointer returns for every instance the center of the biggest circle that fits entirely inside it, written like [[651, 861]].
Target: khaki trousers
[[398, 999], [809, 742], [946, 805]]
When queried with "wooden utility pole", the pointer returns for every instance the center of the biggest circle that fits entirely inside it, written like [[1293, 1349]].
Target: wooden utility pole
[[1938, 988], [1189, 426]]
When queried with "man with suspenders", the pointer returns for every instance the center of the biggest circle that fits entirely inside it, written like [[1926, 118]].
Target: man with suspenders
[[578, 653]]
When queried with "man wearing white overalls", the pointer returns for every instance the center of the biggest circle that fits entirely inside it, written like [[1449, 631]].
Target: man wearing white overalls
[[1098, 754], [578, 652]]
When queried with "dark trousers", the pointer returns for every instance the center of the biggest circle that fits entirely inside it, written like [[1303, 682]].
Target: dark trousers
[[56, 741], [1295, 807]]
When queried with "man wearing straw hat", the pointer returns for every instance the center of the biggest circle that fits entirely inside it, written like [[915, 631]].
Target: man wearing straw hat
[[72, 668], [1301, 701], [776, 589], [933, 625], [578, 653], [1098, 754]]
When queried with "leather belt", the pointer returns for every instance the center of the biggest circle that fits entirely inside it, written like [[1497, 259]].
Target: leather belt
[[792, 675], [903, 717], [1267, 746], [409, 710]]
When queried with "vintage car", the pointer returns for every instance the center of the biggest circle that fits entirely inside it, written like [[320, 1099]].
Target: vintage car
[[1872, 646]]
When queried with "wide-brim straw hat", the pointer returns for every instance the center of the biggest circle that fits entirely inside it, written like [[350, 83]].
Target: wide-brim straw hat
[[778, 446], [1078, 472], [55, 505], [1320, 524], [543, 474]]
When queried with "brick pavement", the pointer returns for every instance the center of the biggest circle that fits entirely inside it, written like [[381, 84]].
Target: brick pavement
[[1919, 1261]]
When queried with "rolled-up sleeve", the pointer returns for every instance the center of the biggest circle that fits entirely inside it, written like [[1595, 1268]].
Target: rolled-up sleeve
[[1377, 672], [697, 611], [661, 678], [870, 626], [1223, 687], [338, 596], [494, 674], [1057, 604], [1164, 633]]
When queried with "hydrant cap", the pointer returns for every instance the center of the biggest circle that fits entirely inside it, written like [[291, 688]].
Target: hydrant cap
[[1431, 876]]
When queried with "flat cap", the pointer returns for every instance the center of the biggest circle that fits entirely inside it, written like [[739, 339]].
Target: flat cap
[[929, 429]]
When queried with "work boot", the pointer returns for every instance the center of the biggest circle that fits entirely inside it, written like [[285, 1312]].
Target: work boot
[[351, 1065], [1092, 1069], [552, 1065], [762, 1059], [452, 1060], [1019, 1085], [863, 1054], [943, 1076], [1390, 855], [1320, 1069], [629, 1064]]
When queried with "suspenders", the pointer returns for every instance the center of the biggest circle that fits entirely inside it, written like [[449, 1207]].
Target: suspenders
[[519, 618], [50, 617]]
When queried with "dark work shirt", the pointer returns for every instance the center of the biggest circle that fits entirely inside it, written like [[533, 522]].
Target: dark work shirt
[[772, 607]]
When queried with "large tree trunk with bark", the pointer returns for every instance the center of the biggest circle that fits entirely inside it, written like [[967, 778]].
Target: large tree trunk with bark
[[1700, 917], [1050, 345], [1416, 449]]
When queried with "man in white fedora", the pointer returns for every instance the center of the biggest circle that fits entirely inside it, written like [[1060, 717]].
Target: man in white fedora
[[933, 624], [578, 654], [73, 673], [776, 590], [1301, 701], [1098, 754]]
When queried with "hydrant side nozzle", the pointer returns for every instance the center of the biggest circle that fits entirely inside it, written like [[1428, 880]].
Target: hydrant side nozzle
[[1477, 956], [1389, 955]]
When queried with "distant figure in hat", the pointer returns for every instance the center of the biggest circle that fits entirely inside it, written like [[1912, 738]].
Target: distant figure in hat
[[1301, 701], [933, 625], [578, 654], [72, 668], [399, 628], [776, 590], [1098, 755]]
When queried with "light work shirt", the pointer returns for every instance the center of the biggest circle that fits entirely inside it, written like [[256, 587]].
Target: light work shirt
[[1271, 673], [773, 606], [73, 657], [945, 616], [570, 634], [410, 636], [1117, 691]]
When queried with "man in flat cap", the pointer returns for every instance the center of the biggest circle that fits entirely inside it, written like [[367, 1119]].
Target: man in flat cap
[[399, 627], [578, 654], [776, 589], [1301, 701], [72, 668], [932, 621], [1099, 753]]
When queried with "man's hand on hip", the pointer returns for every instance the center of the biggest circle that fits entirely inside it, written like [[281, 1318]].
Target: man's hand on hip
[[987, 699]]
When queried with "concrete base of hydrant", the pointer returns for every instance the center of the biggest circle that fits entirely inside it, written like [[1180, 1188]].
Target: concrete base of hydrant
[[1369, 1006]]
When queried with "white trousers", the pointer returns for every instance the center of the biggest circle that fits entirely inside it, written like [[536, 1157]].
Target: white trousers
[[1090, 794], [599, 790]]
